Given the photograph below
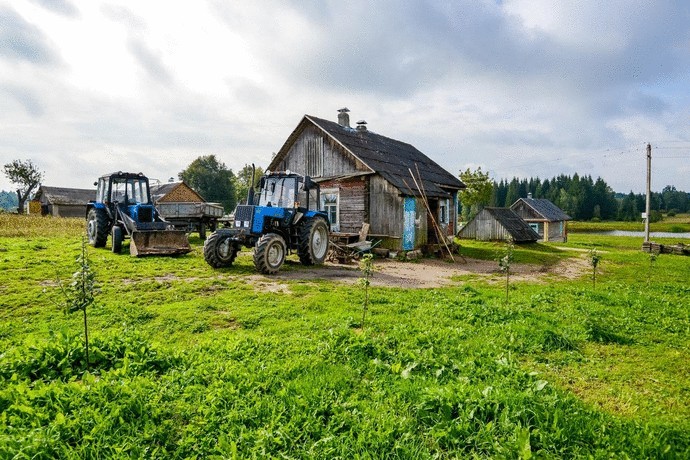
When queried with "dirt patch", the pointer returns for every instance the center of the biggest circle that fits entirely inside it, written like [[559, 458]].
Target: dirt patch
[[427, 273]]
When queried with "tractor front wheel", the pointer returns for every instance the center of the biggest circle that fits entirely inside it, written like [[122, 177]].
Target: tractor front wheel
[[117, 239], [313, 242], [269, 253], [219, 250], [97, 227]]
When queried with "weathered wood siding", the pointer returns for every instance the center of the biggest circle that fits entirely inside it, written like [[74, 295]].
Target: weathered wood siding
[[386, 208], [353, 202], [335, 162], [484, 227], [557, 231], [527, 213]]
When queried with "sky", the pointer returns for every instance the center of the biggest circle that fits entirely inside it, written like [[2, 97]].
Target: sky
[[520, 88]]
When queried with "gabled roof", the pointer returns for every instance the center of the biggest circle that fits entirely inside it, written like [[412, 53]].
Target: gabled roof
[[64, 195], [544, 208], [390, 158], [158, 191], [514, 224]]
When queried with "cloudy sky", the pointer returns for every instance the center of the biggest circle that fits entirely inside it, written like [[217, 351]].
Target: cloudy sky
[[519, 87]]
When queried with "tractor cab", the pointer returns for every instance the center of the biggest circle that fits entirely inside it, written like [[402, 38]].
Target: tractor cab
[[130, 193], [286, 190]]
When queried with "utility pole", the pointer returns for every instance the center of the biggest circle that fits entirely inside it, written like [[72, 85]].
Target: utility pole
[[649, 193]]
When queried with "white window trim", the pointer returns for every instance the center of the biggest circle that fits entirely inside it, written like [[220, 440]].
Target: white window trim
[[335, 226]]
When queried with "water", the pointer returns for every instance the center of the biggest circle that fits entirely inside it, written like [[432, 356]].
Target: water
[[641, 234]]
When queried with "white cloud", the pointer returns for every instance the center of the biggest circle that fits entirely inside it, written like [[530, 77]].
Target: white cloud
[[521, 88]]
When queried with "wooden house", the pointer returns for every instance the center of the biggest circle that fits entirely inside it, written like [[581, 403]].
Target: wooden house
[[175, 192], [499, 224], [61, 201], [366, 178], [547, 219]]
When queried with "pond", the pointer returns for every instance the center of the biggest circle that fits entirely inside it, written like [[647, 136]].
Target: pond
[[641, 234]]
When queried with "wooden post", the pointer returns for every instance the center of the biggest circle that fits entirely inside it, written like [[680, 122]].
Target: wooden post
[[649, 193]]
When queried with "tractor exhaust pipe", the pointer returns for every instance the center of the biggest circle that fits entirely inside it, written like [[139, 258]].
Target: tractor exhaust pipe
[[250, 191]]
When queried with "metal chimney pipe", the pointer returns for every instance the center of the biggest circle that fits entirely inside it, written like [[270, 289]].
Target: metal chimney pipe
[[361, 125]]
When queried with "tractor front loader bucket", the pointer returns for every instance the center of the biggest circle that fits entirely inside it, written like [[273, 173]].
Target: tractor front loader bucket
[[158, 243]]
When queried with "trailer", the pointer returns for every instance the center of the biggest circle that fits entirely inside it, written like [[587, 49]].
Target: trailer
[[191, 216]]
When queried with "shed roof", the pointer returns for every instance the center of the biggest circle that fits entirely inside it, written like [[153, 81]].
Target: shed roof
[[544, 208], [390, 158], [514, 224], [64, 195]]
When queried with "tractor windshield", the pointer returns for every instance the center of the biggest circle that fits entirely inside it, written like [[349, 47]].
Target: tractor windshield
[[279, 192], [130, 191]]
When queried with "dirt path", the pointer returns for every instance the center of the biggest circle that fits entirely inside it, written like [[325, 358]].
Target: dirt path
[[429, 273]]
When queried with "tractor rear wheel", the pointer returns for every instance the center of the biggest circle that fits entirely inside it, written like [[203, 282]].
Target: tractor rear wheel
[[117, 239], [313, 242], [219, 250], [97, 227], [269, 253]]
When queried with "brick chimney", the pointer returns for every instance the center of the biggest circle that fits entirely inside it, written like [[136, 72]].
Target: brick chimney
[[343, 117], [361, 125]]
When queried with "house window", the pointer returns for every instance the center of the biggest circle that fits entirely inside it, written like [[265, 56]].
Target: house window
[[313, 155], [443, 211], [535, 226], [330, 204]]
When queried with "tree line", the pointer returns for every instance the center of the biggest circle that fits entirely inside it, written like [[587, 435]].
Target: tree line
[[584, 198]]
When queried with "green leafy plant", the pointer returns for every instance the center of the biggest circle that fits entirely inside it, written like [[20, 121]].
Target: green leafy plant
[[653, 256], [594, 260], [504, 263], [366, 266], [80, 292]]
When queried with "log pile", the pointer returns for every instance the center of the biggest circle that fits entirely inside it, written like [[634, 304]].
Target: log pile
[[656, 248]]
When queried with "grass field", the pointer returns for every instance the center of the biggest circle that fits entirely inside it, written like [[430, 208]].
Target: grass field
[[190, 362]]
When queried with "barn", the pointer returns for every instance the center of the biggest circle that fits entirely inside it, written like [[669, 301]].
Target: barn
[[547, 219], [367, 177], [498, 224], [61, 201]]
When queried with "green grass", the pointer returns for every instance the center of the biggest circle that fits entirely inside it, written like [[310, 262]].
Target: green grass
[[191, 361]]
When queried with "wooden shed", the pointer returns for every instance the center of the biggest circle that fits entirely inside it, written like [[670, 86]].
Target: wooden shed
[[547, 219], [498, 224], [61, 201], [365, 177]]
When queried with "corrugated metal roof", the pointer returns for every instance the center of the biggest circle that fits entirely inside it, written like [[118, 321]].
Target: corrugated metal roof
[[544, 208], [390, 158]]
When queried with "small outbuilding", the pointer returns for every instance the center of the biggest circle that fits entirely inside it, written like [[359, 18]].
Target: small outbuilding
[[498, 224], [547, 219], [61, 201]]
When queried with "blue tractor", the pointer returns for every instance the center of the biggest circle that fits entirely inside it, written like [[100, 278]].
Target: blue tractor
[[123, 208], [276, 219]]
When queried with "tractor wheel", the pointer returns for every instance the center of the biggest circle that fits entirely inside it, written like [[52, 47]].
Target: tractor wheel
[[97, 227], [269, 253], [219, 250], [117, 239], [313, 242]]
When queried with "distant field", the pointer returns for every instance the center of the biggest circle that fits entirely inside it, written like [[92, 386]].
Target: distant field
[[191, 362], [676, 224]]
